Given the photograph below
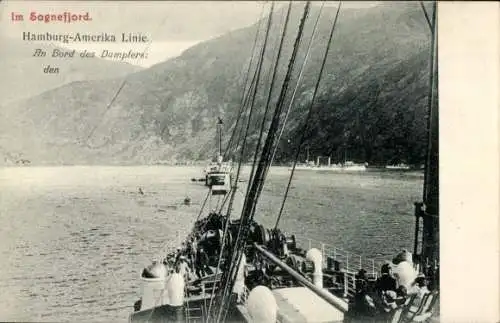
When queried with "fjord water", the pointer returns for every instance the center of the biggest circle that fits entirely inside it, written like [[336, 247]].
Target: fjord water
[[74, 240]]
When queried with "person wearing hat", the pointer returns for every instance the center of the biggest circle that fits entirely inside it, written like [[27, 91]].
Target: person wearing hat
[[386, 286], [386, 281]]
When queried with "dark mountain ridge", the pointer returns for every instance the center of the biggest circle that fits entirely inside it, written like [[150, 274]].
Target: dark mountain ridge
[[372, 99]]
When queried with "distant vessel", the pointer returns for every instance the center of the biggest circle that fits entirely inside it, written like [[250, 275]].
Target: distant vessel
[[218, 174], [346, 166], [398, 166]]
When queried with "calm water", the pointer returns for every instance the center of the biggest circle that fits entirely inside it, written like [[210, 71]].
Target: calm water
[[75, 239]]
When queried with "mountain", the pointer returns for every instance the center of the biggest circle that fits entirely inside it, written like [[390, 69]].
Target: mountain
[[372, 98], [23, 73]]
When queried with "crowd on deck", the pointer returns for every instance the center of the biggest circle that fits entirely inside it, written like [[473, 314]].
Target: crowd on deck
[[398, 285], [193, 258]]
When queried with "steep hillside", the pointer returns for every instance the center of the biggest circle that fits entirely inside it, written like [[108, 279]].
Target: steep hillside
[[372, 97]]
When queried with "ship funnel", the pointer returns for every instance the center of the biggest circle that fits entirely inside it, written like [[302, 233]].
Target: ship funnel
[[262, 305], [316, 257], [175, 290], [153, 285]]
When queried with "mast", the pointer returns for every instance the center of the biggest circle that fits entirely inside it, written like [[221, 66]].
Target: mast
[[428, 211], [431, 193], [219, 140]]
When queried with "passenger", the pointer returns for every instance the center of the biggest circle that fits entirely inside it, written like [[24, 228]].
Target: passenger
[[184, 268], [386, 282], [363, 304], [177, 255], [386, 287], [361, 275], [201, 263], [192, 254], [419, 288]]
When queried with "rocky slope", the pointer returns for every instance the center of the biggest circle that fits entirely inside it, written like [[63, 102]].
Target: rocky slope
[[372, 98]]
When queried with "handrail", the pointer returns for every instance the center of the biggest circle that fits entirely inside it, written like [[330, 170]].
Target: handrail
[[352, 261], [318, 291]]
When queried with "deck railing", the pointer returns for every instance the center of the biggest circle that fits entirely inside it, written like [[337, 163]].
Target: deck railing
[[350, 264], [350, 261]]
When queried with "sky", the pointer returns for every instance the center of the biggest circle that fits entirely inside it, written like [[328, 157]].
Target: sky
[[171, 26]]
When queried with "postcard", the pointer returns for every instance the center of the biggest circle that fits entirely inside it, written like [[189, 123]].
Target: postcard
[[254, 161]]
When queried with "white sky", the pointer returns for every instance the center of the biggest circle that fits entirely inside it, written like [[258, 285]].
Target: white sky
[[173, 26]]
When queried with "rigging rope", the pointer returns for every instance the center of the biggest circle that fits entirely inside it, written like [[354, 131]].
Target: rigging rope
[[203, 205], [309, 114], [262, 127], [271, 86], [257, 183], [251, 109], [315, 28], [245, 91], [252, 170], [249, 120], [426, 16], [122, 85], [255, 87]]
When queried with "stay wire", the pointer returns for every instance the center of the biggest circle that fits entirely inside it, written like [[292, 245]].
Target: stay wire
[[247, 77], [271, 87], [251, 109], [426, 16], [309, 114], [257, 183], [301, 73], [241, 226], [254, 163], [263, 122], [122, 85], [241, 138], [203, 206], [264, 162]]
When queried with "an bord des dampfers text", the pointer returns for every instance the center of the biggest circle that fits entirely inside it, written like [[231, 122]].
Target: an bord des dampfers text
[[80, 37]]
